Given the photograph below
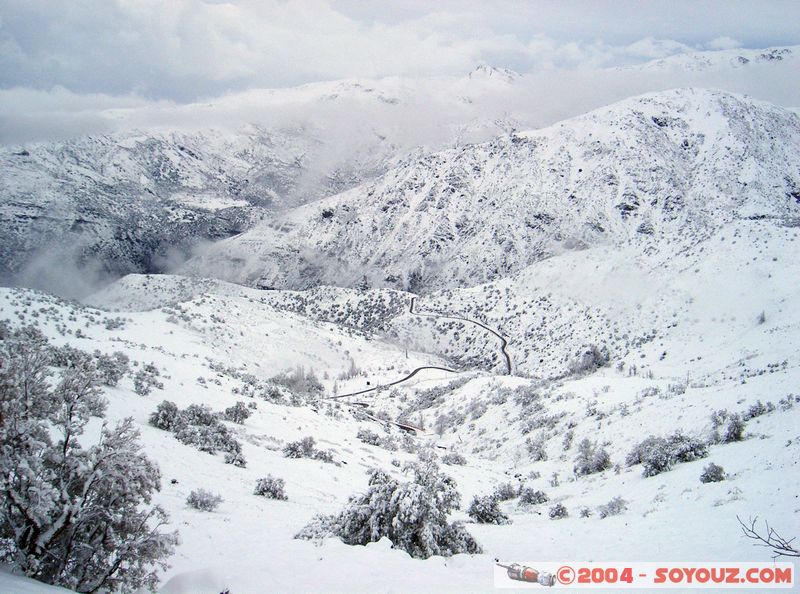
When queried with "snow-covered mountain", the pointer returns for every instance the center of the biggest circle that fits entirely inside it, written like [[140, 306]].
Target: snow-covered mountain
[[660, 172], [141, 198], [732, 58], [134, 200], [573, 322], [709, 334]]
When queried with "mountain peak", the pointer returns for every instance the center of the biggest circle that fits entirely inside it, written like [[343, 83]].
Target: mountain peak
[[485, 71]]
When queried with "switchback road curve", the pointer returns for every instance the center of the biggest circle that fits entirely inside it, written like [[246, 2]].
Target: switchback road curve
[[503, 341], [503, 350]]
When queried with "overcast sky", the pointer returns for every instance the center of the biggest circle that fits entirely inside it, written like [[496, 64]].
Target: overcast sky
[[183, 50], [76, 67]]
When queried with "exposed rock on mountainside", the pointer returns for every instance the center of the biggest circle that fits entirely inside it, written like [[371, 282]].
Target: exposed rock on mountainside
[[658, 172], [135, 201]]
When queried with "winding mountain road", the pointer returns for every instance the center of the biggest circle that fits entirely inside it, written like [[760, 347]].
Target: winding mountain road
[[394, 383], [503, 350], [503, 341]]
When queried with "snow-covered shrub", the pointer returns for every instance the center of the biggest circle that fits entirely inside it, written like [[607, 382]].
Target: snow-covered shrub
[[641, 451], [323, 456], [319, 527], [306, 448], [111, 368], [444, 421], [684, 448], [209, 438], [526, 396], [412, 515], [165, 416], [566, 443], [718, 418], [146, 379], [388, 443], [530, 423], [505, 491], [301, 384], [658, 454], [476, 409], [203, 500], [529, 496], [454, 459], [303, 448], [712, 474], [198, 426], [588, 359], [238, 413], [591, 458], [585, 512], [426, 399], [199, 414], [613, 508], [110, 539], [408, 444], [236, 459], [271, 488], [536, 448], [68, 356], [557, 512], [657, 460], [369, 437], [734, 431], [486, 510]]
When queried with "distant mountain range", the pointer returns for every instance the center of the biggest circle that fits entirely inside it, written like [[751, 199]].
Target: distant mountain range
[[660, 172], [144, 200]]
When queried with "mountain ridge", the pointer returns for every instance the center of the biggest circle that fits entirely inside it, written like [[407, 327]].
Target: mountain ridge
[[662, 165]]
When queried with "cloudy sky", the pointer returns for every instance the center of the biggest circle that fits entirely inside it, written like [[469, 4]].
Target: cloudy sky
[[184, 50], [66, 65]]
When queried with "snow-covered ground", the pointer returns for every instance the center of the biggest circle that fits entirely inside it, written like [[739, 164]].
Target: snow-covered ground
[[640, 261], [719, 356]]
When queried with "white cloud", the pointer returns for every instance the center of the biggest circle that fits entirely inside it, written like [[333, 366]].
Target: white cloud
[[723, 43], [67, 67], [187, 49]]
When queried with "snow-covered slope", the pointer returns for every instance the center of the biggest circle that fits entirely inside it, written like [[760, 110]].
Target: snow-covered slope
[[721, 59], [139, 198], [637, 265], [719, 354], [659, 172], [133, 201]]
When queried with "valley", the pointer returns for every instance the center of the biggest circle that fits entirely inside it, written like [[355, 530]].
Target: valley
[[378, 353]]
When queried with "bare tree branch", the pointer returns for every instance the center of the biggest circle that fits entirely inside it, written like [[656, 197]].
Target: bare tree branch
[[781, 547]]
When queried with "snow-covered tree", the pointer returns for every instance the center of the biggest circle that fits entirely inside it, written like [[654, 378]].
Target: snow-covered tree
[[591, 458], [72, 515], [411, 514], [486, 510], [238, 413]]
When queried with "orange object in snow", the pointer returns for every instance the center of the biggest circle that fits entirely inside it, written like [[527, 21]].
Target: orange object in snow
[[522, 573]]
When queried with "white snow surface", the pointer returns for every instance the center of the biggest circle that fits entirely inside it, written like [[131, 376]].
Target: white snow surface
[[663, 229], [704, 310], [660, 171]]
